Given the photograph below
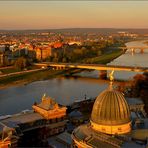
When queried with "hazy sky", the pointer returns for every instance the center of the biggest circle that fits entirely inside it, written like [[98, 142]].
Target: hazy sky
[[64, 14]]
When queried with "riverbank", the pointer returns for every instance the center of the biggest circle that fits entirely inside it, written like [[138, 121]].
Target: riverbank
[[106, 58], [27, 78], [46, 75], [146, 43]]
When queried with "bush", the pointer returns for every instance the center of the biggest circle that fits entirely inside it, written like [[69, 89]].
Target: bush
[[21, 63]]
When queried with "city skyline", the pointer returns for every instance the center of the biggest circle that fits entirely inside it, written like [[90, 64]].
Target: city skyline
[[23, 15]]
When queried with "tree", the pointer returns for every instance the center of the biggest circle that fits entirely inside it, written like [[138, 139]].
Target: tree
[[64, 60], [138, 83], [21, 63]]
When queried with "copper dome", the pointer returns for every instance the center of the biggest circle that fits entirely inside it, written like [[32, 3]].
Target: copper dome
[[110, 108]]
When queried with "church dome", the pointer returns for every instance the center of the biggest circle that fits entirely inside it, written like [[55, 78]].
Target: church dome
[[110, 110]]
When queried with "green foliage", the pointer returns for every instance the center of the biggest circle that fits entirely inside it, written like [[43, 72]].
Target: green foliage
[[139, 88], [64, 60], [103, 58], [21, 63], [9, 70]]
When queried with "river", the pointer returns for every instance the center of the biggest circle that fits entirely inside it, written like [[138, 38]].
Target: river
[[67, 90]]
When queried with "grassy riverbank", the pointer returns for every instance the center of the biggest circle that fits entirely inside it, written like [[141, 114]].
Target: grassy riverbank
[[12, 69], [146, 43], [28, 77], [105, 58]]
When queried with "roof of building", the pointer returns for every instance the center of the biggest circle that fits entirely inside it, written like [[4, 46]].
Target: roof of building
[[21, 118], [110, 108], [134, 101], [48, 103], [86, 134], [65, 137], [132, 145], [140, 134], [75, 114]]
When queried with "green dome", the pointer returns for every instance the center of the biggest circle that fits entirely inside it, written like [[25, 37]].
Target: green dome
[[110, 108]]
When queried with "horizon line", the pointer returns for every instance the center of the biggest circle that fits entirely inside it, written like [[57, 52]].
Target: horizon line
[[25, 29]]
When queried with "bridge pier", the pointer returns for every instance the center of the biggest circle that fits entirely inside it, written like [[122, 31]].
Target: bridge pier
[[124, 49], [142, 50], [103, 74], [60, 68], [138, 48], [133, 50], [63, 68]]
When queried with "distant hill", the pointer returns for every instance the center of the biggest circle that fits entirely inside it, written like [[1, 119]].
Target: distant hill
[[83, 30]]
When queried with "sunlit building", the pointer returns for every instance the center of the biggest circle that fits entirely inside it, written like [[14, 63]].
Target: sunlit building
[[49, 109], [43, 52], [74, 42], [2, 48], [57, 45]]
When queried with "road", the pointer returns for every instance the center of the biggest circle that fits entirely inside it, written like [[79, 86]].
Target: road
[[20, 72]]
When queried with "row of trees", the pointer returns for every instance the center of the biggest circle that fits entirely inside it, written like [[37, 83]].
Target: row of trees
[[140, 88]]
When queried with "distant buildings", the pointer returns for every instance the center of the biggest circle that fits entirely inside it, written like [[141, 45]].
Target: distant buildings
[[2, 48], [57, 45], [2, 58], [5, 56], [42, 45], [74, 42], [43, 53], [127, 34]]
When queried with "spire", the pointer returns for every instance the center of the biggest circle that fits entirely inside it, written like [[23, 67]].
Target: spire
[[44, 97], [111, 77]]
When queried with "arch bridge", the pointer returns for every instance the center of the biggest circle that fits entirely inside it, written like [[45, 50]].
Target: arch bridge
[[102, 68], [134, 48]]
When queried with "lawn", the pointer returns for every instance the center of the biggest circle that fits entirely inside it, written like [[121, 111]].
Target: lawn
[[105, 58], [9, 70]]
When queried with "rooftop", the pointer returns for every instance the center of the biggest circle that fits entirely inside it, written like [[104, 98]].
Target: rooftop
[[21, 118], [48, 103], [134, 101]]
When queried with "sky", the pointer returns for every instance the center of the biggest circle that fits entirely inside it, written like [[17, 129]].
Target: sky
[[73, 14]]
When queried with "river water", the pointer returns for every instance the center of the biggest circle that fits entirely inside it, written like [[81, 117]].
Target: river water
[[67, 90]]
